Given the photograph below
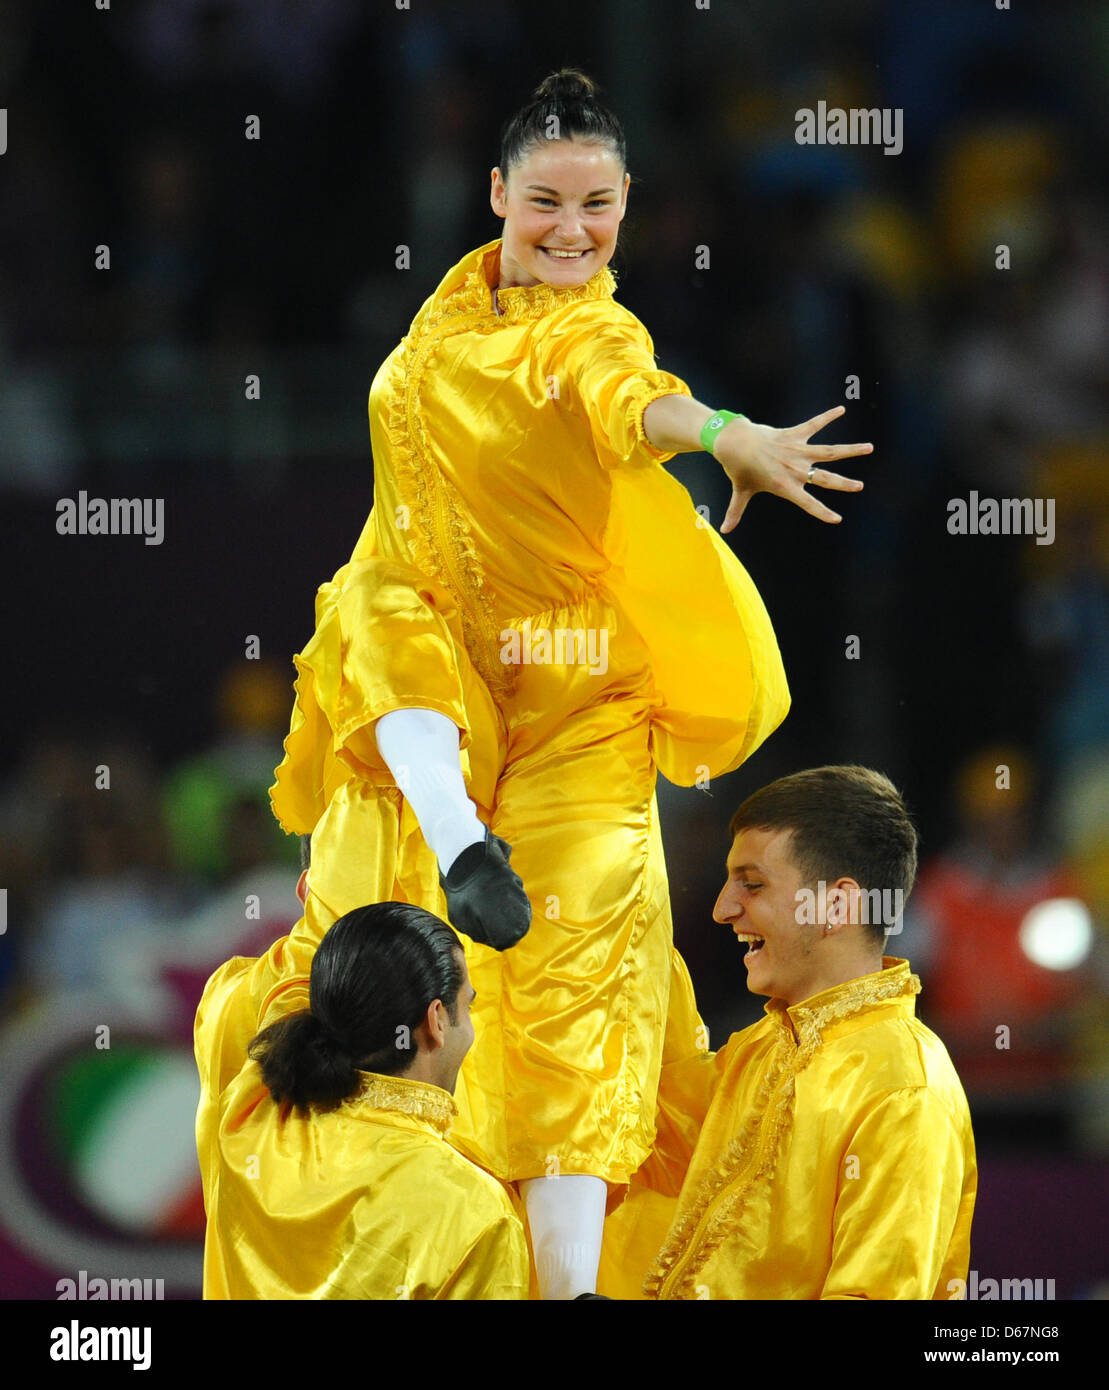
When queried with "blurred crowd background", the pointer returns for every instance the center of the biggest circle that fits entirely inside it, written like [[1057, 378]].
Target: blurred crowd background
[[981, 680]]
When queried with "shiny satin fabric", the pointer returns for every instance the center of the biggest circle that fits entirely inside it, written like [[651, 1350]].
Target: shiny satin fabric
[[835, 1161], [366, 1201], [511, 464], [518, 503]]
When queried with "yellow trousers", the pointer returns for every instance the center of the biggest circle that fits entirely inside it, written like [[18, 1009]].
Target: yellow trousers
[[569, 1023]]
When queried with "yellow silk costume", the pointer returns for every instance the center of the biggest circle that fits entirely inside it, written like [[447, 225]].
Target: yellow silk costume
[[366, 1201], [836, 1158], [531, 571]]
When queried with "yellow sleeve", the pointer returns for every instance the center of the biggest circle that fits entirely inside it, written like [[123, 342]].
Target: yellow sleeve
[[222, 1028], [636, 1229], [494, 1267], [605, 368], [684, 1094], [687, 1082], [901, 1188], [386, 636]]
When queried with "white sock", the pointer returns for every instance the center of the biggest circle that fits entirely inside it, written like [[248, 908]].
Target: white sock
[[566, 1217], [420, 748]]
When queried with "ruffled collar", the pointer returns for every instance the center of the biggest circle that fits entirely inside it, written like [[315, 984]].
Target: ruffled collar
[[811, 1017], [417, 1099], [519, 302]]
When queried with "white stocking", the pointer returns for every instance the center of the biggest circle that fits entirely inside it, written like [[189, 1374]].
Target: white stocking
[[566, 1217], [420, 748]]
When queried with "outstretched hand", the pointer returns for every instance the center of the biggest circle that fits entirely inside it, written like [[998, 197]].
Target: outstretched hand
[[760, 458]]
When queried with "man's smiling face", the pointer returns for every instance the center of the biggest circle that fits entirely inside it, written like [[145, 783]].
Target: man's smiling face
[[759, 902]]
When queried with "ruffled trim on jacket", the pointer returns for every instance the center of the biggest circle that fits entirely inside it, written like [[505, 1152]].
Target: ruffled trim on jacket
[[752, 1157], [419, 1099]]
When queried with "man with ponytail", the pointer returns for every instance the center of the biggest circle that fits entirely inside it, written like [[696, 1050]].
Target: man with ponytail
[[534, 621], [324, 1159]]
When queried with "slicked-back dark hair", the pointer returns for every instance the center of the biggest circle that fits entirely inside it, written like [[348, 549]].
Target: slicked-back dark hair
[[564, 103], [373, 976], [847, 822]]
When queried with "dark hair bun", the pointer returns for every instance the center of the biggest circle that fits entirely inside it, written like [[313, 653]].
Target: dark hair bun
[[373, 976], [304, 1063], [568, 84], [573, 98]]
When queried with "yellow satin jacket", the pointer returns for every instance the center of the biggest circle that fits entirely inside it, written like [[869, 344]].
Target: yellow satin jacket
[[835, 1158]]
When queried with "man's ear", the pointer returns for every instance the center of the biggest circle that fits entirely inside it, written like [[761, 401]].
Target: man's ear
[[434, 1023], [843, 903]]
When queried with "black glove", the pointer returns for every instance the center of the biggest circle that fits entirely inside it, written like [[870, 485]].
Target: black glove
[[485, 898]]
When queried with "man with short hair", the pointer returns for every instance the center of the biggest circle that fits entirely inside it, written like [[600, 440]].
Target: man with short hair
[[835, 1158]]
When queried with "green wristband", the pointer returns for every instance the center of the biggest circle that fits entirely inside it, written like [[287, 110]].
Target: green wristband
[[714, 425]]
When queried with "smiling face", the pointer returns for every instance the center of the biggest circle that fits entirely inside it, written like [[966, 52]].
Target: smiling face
[[760, 901], [568, 197]]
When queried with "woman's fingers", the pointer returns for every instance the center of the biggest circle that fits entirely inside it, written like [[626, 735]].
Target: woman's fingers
[[822, 478], [736, 509], [813, 505], [818, 422], [782, 463], [797, 495], [794, 491], [838, 451]]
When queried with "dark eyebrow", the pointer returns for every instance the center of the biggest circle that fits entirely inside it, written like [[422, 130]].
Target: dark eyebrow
[[742, 869], [542, 188]]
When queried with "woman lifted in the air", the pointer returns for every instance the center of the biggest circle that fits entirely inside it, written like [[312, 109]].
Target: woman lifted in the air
[[535, 620]]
